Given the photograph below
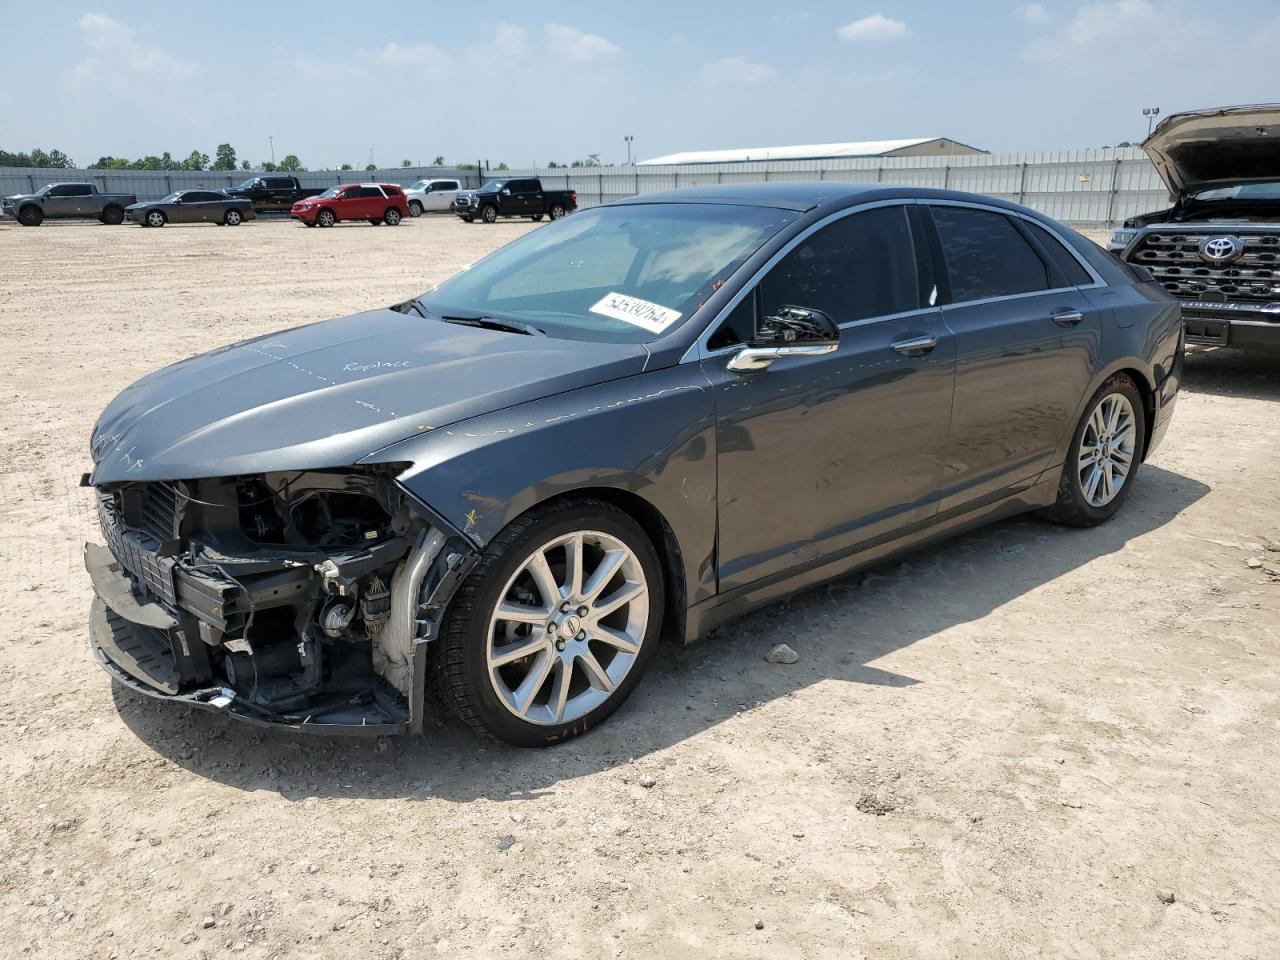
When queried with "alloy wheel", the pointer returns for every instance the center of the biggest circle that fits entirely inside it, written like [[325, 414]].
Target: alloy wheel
[[1107, 449], [155, 219], [568, 627]]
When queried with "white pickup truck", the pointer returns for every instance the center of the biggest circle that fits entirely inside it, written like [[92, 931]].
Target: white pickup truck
[[431, 196]]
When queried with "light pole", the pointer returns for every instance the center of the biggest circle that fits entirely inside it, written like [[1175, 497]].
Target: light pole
[[272, 141], [1150, 113], [628, 138]]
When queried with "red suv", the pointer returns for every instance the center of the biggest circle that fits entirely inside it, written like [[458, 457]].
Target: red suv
[[375, 202]]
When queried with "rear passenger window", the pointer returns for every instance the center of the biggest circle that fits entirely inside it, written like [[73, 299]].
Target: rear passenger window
[[861, 266], [391, 191], [79, 190], [986, 255], [1067, 265]]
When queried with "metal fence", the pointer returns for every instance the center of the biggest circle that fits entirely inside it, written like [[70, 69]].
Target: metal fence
[[1085, 187]]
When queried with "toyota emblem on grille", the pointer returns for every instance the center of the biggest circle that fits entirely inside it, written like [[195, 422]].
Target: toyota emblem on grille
[[1221, 249]]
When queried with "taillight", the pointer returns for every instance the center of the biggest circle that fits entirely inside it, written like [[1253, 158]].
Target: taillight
[[573, 197]]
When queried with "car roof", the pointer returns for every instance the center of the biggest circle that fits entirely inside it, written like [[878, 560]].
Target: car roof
[[803, 196]]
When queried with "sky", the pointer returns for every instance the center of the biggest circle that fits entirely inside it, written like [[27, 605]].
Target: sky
[[526, 84]]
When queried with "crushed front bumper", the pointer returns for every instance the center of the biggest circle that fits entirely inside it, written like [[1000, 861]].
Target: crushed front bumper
[[133, 640]]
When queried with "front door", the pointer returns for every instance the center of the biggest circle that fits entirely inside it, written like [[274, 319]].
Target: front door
[[442, 193], [1026, 348], [819, 456]]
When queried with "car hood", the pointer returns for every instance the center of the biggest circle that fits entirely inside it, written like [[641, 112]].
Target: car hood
[[329, 394], [1194, 150]]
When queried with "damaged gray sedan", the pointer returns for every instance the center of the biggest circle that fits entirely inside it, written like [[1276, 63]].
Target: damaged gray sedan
[[636, 422]]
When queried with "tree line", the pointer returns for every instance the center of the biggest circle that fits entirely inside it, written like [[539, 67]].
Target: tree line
[[224, 159]]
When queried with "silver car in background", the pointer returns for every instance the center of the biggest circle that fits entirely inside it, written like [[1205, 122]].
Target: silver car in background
[[431, 196]]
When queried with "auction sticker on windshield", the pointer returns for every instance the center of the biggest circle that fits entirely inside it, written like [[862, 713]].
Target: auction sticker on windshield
[[653, 317]]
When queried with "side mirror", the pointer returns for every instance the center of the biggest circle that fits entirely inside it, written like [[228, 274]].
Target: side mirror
[[506, 192], [791, 332]]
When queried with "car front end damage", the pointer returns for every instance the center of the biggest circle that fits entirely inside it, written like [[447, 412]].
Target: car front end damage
[[301, 599]]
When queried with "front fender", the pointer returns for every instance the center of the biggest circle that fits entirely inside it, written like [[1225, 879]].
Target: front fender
[[651, 435]]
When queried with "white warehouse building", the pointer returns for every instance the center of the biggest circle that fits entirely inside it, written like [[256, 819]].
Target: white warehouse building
[[917, 147]]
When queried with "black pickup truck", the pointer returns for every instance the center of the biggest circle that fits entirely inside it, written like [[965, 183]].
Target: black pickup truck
[[273, 194], [516, 197]]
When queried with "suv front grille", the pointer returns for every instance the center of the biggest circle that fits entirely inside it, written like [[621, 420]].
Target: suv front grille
[[1175, 261]]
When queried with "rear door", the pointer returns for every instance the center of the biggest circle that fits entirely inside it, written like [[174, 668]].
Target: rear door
[[819, 456], [1027, 341]]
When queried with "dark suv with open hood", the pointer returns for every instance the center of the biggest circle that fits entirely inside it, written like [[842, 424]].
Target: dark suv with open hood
[[1217, 249]]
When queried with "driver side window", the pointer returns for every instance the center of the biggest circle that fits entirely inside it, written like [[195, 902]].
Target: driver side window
[[861, 266]]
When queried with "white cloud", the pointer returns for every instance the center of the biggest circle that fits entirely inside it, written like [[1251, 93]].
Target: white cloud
[[393, 54], [1035, 13], [735, 71], [509, 38], [116, 50], [874, 27], [572, 44], [1101, 29]]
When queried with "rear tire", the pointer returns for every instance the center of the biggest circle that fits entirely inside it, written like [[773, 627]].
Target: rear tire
[[415, 208], [536, 217], [325, 218], [489, 214], [557, 211], [113, 216], [571, 679], [392, 217], [1104, 456], [232, 218], [31, 216]]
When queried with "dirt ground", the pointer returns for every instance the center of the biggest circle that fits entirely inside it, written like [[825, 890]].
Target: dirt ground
[[1029, 742]]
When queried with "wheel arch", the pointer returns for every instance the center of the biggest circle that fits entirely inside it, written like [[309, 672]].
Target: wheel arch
[[660, 533]]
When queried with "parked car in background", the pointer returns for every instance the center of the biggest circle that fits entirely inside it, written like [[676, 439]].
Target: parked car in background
[[273, 193], [376, 202], [1217, 249], [66, 201], [431, 196], [191, 206], [645, 419], [516, 197]]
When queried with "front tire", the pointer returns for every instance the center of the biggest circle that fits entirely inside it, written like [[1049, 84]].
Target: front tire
[[415, 208], [1105, 453], [155, 219], [31, 216], [489, 214], [325, 218], [553, 628]]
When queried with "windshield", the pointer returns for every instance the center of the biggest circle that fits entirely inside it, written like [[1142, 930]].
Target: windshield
[[172, 198], [248, 184], [1242, 191], [417, 185], [626, 274], [330, 193], [493, 186]]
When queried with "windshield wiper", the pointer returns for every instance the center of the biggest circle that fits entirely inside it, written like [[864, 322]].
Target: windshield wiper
[[493, 323]]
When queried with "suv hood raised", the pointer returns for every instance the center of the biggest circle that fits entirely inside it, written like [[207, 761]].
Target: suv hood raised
[[1194, 150], [329, 394]]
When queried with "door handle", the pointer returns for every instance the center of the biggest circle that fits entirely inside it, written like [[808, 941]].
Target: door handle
[[914, 346], [1067, 317]]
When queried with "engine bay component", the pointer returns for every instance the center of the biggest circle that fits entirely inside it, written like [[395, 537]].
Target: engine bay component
[[336, 618]]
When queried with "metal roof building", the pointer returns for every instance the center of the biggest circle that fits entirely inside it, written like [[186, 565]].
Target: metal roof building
[[916, 147]]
